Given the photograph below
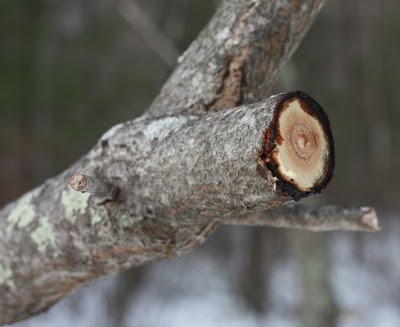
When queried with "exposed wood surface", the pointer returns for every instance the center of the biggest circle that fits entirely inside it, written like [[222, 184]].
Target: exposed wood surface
[[85, 183]]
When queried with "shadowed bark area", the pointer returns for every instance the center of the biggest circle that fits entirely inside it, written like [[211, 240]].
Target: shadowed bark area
[[178, 170]]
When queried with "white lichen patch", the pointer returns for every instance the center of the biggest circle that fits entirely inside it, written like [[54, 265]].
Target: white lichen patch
[[44, 235], [197, 80], [36, 191], [97, 215], [182, 57], [6, 275], [161, 128], [23, 213], [223, 34], [187, 73], [111, 132], [75, 203]]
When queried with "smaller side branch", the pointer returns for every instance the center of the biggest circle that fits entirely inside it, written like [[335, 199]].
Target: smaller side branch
[[314, 218], [89, 184], [237, 57], [144, 25]]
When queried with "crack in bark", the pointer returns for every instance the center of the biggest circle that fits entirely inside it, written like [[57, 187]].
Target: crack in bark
[[230, 94]]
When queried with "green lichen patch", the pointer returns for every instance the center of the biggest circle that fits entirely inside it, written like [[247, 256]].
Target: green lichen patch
[[123, 220], [74, 203], [6, 275], [23, 213], [44, 235], [97, 215]]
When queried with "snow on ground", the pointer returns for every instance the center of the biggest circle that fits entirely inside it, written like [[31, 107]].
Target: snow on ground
[[366, 277]]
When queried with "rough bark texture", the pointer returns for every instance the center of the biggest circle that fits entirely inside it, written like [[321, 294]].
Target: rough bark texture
[[176, 173], [175, 176]]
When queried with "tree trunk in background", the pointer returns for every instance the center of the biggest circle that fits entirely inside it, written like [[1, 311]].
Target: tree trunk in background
[[265, 247], [19, 86], [318, 305]]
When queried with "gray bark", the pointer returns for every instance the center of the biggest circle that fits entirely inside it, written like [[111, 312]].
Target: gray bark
[[177, 176]]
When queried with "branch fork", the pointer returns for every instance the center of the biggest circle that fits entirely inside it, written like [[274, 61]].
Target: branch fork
[[189, 174]]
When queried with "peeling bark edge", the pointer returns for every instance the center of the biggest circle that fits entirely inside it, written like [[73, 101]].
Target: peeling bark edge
[[272, 134]]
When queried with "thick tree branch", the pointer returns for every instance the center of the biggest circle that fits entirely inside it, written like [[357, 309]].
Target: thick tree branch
[[314, 218], [237, 57], [176, 175]]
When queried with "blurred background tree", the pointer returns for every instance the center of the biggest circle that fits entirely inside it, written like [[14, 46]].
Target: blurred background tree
[[71, 69]]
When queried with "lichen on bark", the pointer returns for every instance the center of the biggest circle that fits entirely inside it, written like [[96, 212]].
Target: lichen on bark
[[24, 212], [44, 235], [74, 203]]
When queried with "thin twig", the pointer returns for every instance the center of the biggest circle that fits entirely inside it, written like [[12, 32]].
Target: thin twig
[[89, 184], [141, 22], [314, 218]]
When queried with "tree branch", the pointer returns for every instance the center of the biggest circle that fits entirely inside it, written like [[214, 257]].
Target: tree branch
[[176, 175], [179, 171], [314, 218], [97, 187], [237, 57]]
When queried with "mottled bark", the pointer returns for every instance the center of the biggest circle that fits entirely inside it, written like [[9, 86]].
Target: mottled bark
[[178, 175]]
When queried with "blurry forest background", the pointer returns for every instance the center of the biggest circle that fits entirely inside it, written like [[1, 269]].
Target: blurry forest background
[[69, 70]]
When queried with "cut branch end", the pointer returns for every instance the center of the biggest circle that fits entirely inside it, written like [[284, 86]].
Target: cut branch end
[[370, 219], [89, 184], [78, 182], [299, 149]]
